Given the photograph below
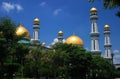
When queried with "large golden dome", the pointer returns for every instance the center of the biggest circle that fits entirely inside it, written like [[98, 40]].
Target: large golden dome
[[22, 30], [74, 40]]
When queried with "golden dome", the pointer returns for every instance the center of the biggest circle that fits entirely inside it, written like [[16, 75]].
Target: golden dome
[[106, 27], [21, 30], [74, 40], [60, 32], [36, 21], [93, 9]]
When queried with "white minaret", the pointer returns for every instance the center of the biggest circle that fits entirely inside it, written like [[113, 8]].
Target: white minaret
[[36, 27], [95, 49], [107, 45], [60, 37]]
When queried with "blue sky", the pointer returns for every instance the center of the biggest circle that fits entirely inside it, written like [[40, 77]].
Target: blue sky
[[70, 16]]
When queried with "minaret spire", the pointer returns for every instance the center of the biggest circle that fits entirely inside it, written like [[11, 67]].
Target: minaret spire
[[60, 37], [95, 49], [107, 45], [36, 27]]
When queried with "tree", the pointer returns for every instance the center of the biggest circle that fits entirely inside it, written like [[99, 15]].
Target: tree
[[116, 73], [32, 66], [7, 37], [59, 59], [7, 27], [10, 50], [3, 55], [111, 4], [77, 61], [44, 63], [10, 70], [48, 66], [101, 68]]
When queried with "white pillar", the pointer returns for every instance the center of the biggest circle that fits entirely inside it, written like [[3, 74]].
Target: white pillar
[[94, 32], [60, 37], [36, 27], [107, 44]]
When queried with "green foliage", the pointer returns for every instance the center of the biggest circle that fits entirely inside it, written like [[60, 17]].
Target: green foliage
[[111, 3], [32, 66], [21, 78], [11, 53], [11, 69], [48, 65], [7, 31], [20, 52], [7, 27], [77, 60], [3, 51], [101, 68], [116, 73]]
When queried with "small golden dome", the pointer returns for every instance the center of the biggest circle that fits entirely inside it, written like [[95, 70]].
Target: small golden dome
[[74, 40], [21, 30], [93, 9], [106, 26], [60, 32], [36, 21]]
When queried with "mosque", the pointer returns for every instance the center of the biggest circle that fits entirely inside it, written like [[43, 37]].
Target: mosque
[[74, 39]]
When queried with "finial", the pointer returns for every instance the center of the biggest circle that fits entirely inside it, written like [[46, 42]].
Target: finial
[[93, 9], [106, 27], [73, 33], [20, 24], [36, 21], [60, 33]]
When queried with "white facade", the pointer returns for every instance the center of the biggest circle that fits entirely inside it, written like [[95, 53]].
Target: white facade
[[60, 37], [107, 44], [95, 48], [36, 28]]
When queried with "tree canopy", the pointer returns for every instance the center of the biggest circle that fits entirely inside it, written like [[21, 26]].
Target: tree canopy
[[11, 53]]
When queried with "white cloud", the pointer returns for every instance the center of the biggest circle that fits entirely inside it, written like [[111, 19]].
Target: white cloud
[[116, 61], [57, 11], [116, 51], [116, 56], [18, 7], [7, 6], [42, 4]]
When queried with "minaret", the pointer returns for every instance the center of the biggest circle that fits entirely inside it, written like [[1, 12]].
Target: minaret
[[107, 45], [36, 27], [95, 49], [60, 37]]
